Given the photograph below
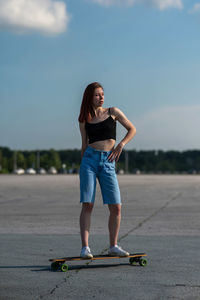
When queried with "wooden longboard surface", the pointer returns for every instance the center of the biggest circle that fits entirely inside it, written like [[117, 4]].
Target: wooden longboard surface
[[95, 257]]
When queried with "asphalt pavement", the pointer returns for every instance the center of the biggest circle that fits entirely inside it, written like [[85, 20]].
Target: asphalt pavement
[[39, 219]]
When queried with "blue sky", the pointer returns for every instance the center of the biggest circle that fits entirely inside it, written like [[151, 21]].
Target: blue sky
[[144, 52]]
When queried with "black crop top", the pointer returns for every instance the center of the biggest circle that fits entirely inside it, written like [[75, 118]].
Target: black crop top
[[101, 131]]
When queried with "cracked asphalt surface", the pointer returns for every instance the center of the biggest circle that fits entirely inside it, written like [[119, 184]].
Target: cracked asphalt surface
[[39, 218]]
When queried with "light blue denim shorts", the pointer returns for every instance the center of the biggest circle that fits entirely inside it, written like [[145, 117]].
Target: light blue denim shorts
[[95, 164]]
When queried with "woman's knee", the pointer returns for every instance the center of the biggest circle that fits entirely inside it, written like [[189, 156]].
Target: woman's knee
[[87, 207], [115, 209]]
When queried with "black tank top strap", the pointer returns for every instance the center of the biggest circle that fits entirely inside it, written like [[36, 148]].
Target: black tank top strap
[[109, 112]]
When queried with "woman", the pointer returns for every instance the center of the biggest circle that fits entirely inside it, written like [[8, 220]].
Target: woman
[[99, 154]]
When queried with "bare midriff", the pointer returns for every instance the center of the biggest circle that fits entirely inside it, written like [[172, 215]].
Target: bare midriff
[[106, 145]]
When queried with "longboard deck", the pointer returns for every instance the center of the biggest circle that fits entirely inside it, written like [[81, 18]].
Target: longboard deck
[[59, 263], [95, 257]]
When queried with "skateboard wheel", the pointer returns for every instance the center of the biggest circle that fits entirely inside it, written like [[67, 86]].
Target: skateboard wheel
[[64, 268], [55, 266], [143, 262]]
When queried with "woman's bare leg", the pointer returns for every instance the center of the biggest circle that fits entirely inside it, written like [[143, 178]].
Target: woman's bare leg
[[114, 223], [85, 219]]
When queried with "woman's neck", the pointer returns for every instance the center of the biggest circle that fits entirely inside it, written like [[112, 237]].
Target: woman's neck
[[99, 112]]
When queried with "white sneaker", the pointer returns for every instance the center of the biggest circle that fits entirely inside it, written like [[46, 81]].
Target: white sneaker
[[117, 251], [86, 253]]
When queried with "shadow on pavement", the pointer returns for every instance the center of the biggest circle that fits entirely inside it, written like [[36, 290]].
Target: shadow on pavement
[[71, 268]]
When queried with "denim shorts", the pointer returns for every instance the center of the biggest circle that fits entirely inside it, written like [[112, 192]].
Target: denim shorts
[[95, 164]]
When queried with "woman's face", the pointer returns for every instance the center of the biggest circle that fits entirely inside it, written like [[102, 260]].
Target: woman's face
[[98, 97]]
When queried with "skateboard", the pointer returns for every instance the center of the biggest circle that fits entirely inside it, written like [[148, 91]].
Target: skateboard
[[59, 263]]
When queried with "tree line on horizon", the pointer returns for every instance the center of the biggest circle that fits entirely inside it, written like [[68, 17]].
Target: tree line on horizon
[[131, 161]]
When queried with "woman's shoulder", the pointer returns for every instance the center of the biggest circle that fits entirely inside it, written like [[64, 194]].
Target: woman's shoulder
[[114, 111]]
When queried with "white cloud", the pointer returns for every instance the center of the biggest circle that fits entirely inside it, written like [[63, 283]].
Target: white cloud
[[168, 128], [159, 4], [195, 9], [23, 16], [164, 4], [114, 2]]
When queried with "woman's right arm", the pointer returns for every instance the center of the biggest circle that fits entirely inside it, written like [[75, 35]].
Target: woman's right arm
[[83, 137]]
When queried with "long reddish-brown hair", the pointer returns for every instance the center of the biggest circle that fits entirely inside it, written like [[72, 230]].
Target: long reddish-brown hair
[[87, 111]]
